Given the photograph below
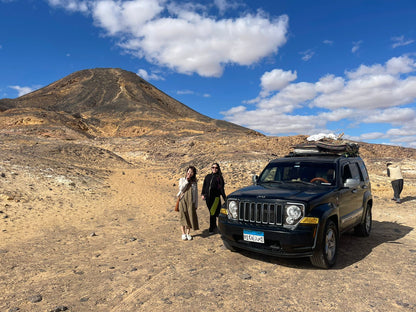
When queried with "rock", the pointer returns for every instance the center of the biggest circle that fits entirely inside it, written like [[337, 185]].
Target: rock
[[35, 298], [245, 276], [60, 308], [166, 300]]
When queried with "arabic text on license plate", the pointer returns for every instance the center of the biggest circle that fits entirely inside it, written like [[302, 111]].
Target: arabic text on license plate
[[253, 236]]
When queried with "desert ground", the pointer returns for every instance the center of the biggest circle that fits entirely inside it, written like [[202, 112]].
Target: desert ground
[[88, 225]]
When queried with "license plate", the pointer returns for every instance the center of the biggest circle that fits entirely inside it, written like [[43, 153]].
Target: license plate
[[253, 236]]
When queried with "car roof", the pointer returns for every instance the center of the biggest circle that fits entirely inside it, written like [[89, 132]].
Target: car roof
[[313, 158]]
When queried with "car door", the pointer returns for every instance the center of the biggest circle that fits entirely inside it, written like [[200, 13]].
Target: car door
[[350, 199]]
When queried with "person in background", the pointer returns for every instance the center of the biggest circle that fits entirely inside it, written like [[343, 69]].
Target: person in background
[[212, 190], [395, 174], [188, 204]]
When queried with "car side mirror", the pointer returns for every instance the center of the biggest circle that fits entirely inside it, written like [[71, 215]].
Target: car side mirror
[[352, 183], [255, 178]]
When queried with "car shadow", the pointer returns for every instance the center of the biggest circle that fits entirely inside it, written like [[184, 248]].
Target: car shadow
[[352, 248]]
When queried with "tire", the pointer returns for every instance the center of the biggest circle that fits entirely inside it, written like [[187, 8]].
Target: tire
[[364, 228], [326, 253], [228, 246]]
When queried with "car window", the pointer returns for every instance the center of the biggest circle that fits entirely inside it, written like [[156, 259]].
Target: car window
[[311, 172], [351, 171], [363, 170], [355, 172], [270, 174]]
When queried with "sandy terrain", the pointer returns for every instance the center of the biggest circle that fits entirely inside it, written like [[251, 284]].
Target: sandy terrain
[[93, 229]]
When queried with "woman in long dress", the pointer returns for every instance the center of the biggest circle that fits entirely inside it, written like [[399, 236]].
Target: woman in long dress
[[188, 204]]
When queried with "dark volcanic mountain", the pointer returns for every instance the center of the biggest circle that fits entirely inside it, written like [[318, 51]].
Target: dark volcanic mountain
[[106, 102]]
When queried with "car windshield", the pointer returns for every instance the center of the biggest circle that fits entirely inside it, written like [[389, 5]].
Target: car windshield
[[299, 172]]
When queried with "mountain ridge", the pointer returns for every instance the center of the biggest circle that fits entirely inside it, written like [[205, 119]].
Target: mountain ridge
[[113, 102]]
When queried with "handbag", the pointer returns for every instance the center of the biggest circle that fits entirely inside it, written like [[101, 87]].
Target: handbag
[[177, 204]]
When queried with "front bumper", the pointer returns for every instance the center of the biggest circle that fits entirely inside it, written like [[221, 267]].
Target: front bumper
[[278, 241]]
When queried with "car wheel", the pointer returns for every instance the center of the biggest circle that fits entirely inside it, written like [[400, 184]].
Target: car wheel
[[326, 253], [364, 228]]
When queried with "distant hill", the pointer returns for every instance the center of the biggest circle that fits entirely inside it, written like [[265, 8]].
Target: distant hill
[[106, 102]]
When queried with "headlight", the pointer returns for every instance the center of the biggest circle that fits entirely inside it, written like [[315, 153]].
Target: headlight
[[232, 210], [293, 213]]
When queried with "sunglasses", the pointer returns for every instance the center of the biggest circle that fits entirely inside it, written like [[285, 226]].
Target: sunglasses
[[214, 167]]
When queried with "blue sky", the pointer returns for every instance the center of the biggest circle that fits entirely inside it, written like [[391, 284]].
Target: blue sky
[[281, 67]]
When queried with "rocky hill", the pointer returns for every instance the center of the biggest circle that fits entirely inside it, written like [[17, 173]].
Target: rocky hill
[[105, 102]]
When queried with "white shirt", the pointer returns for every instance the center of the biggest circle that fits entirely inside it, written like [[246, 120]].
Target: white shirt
[[183, 182]]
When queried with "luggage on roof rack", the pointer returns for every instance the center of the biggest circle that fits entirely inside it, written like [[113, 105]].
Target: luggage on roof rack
[[345, 149]]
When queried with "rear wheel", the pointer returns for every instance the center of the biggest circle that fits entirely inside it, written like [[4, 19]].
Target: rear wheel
[[326, 253], [364, 228]]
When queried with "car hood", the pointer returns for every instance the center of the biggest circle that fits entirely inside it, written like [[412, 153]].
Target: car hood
[[284, 192]]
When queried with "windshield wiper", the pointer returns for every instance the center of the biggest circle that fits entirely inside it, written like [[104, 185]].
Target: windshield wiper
[[300, 181], [264, 182]]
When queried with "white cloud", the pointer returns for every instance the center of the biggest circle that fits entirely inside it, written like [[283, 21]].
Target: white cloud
[[328, 42], [307, 55], [400, 65], [401, 41], [125, 17], [274, 122], [381, 93], [71, 5], [394, 66], [329, 84], [356, 46], [190, 92], [183, 39], [146, 76], [276, 79], [194, 43], [337, 115], [372, 91], [22, 90], [290, 97], [224, 5], [371, 136], [185, 92], [395, 115]]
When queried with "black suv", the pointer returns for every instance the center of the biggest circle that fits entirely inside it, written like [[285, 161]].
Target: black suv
[[298, 207]]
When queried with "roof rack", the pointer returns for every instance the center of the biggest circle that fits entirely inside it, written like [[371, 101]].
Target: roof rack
[[322, 148]]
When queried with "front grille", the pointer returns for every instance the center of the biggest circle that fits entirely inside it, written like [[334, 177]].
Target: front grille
[[261, 213]]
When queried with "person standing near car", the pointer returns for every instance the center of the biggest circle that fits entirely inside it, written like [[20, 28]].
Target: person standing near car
[[188, 203], [395, 174], [212, 190]]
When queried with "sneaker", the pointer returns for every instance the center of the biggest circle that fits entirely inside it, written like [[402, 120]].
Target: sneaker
[[184, 237], [188, 236]]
